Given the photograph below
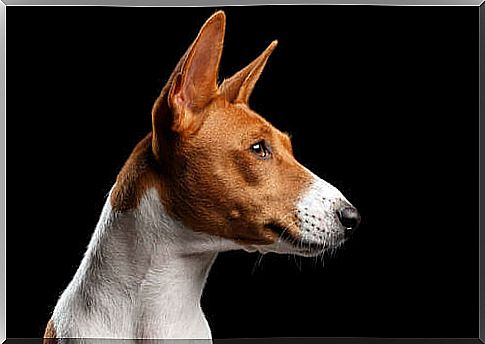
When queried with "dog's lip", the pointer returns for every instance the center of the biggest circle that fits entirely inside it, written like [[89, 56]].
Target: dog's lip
[[313, 248], [281, 230], [302, 246]]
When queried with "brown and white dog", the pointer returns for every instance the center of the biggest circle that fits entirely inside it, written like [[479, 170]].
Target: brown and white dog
[[212, 176]]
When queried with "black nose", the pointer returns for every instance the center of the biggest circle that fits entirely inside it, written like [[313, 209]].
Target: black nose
[[349, 217]]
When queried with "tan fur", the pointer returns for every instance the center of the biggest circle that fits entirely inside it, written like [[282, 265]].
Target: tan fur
[[200, 159], [140, 172], [214, 183], [49, 334], [218, 176]]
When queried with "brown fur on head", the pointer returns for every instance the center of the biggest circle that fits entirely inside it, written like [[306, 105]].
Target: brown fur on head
[[213, 180], [219, 167]]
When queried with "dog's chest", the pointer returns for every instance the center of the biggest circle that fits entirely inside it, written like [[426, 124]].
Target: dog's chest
[[170, 304], [188, 323]]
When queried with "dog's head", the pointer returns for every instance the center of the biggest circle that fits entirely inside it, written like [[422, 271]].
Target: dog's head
[[224, 170]]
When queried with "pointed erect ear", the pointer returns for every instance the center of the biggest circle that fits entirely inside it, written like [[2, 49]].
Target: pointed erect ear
[[196, 83], [238, 88], [193, 83]]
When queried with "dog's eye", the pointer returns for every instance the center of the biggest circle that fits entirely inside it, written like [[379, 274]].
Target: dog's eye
[[260, 148]]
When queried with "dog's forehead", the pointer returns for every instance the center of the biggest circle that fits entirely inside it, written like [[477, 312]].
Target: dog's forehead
[[236, 125], [239, 117], [262, 128]]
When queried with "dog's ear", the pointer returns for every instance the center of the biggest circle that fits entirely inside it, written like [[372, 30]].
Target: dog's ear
[[238, 88], [192, 85], [195, 85]]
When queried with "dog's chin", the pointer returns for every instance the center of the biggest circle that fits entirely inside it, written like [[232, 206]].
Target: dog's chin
[[285, 248], [300, 248], [286, 244]]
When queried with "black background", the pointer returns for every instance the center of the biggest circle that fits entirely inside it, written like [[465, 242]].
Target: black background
[[380, 101]]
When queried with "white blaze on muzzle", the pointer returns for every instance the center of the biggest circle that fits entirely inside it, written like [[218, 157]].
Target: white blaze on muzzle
[[317, 213]]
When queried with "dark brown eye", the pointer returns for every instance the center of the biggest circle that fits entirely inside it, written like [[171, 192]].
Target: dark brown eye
[[261, 149]]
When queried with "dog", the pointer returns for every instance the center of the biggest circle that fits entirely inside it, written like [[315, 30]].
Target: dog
[[212, 176]]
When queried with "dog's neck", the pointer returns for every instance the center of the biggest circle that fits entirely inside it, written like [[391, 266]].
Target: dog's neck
[[143, 276]]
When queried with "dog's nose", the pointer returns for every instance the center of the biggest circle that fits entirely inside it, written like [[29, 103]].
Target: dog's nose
[[349, 217]]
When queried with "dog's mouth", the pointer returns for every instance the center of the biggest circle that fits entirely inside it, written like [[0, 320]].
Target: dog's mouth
[[281, 231], [285, 235]]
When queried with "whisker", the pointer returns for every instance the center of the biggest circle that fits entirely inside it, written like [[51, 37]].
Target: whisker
[[257, 263]]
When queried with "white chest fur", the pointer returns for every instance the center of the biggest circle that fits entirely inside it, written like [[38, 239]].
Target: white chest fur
[[142, 276]]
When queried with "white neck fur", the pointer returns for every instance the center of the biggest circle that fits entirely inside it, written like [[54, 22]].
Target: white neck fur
[[142, 276]]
